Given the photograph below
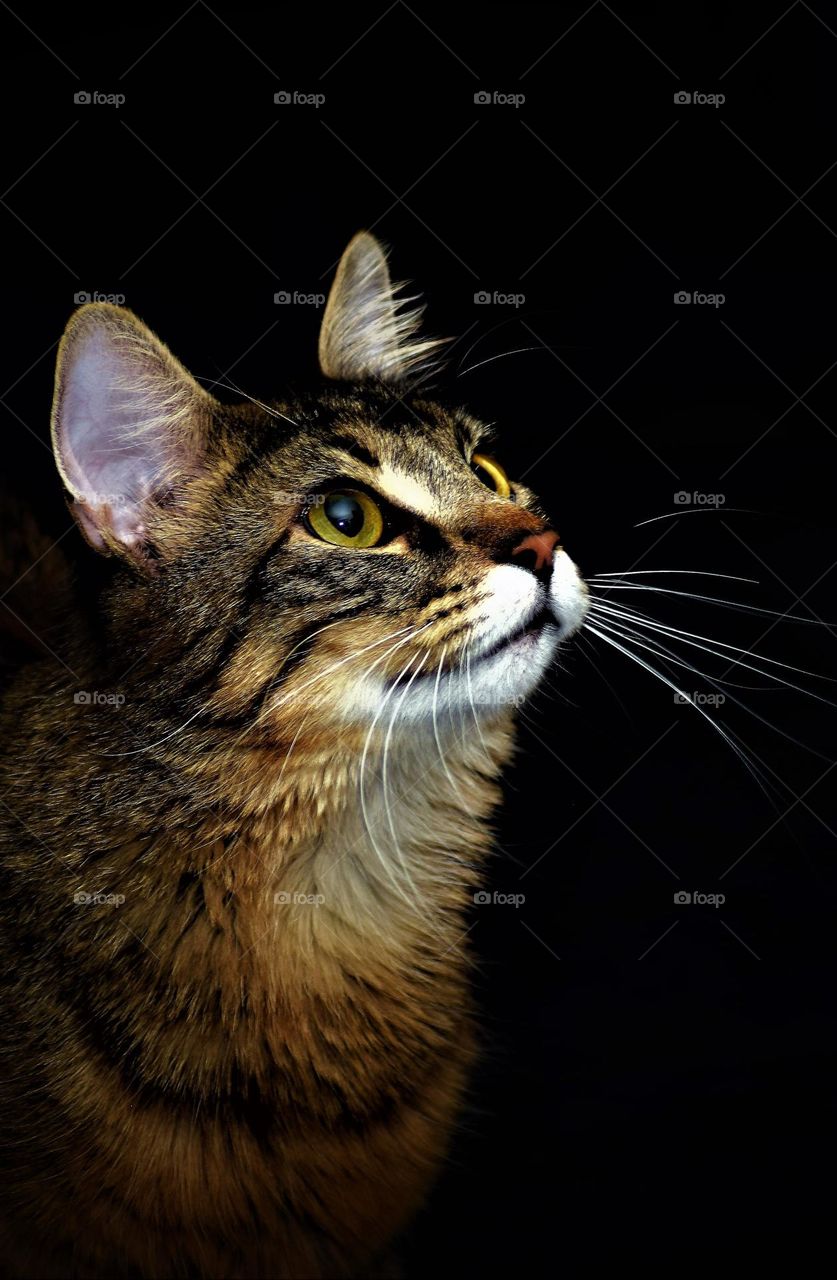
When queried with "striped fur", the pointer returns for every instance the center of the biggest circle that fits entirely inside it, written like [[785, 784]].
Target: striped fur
[[201, 1078]]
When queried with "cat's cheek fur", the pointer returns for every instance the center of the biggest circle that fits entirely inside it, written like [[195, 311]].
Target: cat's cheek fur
[[480, 681]]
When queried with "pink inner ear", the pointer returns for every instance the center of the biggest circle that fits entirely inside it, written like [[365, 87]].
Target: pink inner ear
[[119, 405]]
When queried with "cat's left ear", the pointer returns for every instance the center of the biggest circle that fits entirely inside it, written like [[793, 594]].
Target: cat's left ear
[[367, 331], [130, 429]]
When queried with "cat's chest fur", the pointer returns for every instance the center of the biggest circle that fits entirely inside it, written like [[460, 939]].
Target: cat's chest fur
[[279, 1011]]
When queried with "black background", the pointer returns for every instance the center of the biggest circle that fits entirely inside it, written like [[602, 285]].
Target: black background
[[654, 1074]]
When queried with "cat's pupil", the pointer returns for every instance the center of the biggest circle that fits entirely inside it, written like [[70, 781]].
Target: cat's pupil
[[345, 513]]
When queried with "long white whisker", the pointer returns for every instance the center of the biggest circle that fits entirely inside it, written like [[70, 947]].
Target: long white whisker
[[676, 633], [696, 511], [662, 652], [342, 662], [698, 573], [385, 862], [139, 750], [729, 604], [473, 708], [746, 752], [608, 639], [516, 352], [305, 640], [585, 648], [465, 736], [385, 789], [273, 412], [434, 709]]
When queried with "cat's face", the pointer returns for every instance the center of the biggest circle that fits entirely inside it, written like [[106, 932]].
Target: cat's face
[[321, 558]]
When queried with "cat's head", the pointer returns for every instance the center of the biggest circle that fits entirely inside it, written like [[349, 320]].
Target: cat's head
[[315, 556]]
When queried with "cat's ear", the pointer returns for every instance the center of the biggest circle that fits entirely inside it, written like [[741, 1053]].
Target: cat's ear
[[128, 428], [367, 331]]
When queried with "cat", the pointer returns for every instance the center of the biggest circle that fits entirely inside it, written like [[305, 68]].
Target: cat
[[239, 843]]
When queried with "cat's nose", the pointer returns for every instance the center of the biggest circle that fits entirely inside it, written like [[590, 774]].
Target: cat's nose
[[535, 552]]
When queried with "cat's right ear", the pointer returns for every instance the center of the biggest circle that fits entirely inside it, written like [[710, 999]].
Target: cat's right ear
[[368, 331], [129, 428]]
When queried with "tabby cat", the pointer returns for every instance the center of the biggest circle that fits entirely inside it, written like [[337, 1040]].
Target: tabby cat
[[239, 842]]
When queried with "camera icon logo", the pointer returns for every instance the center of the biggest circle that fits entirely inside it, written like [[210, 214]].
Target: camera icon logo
[[282, 899], [80, 298], [682, 98], [282, 299], [82, 98], [682, 298], [482, 898], [282, 98], [481, 98], [83, 699], [483, 298], [682, 899], [682, 498]]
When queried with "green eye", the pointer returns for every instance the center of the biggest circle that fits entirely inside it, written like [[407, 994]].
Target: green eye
[[347, 518], [491, 473]]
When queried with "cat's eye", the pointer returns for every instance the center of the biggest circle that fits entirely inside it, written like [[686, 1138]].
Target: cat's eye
[[491, 474], [346, 518]]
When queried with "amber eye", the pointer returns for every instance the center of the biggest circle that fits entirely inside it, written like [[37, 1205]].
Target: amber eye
[[346, 518], [491, 474]]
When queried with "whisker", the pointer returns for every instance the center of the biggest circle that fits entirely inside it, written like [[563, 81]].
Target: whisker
[[697, 511], [385, 788], [608, 639], [434, 708], [386, 864], [730, 604], [342, 662], [305, 640], [473, 708], [516, 352], [585, 650], [700, 573], [676, 633], [274, 413], [151, 745], [662, 652]]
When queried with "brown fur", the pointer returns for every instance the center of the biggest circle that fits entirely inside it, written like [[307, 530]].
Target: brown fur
[[201, 1080]]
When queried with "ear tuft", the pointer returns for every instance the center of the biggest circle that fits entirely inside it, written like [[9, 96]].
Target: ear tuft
[[128, 426], [367, 331]]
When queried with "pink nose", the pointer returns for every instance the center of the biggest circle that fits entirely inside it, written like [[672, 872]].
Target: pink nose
[[536, 550]]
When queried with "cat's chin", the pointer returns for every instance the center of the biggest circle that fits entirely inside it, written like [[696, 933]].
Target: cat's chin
[[477, 684]]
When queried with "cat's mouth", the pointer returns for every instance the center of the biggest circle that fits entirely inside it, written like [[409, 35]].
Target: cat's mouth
[[531, 629], [517, 639]]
